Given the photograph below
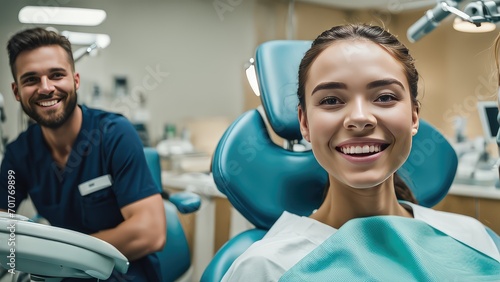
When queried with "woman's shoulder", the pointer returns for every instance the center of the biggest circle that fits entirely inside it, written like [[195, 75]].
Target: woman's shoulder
[[465, 229], [290, 239]]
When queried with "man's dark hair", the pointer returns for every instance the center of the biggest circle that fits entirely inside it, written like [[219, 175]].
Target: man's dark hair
[[31, 39]]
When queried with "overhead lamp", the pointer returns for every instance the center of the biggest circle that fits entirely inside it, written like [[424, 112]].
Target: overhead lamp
[[464, 26], [61, 15], [477, 16], [252, 77]]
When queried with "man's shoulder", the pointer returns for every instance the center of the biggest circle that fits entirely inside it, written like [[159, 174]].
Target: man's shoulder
[[106, 121], [99, 114], [31, 135]]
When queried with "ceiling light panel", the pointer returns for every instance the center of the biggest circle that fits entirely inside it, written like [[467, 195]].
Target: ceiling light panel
[[61, 16]]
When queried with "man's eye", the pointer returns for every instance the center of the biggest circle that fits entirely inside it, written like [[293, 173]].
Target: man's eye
[[330, 101], [30, 80]]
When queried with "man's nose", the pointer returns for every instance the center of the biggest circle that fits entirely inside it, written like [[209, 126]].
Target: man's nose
[[46, 86]]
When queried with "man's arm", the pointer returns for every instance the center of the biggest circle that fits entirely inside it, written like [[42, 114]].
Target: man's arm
[[142, 232]]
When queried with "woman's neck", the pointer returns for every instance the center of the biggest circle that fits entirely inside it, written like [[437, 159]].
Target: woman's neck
[[343, 203]]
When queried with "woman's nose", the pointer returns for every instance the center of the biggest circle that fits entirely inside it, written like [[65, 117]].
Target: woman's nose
[[359, 116]]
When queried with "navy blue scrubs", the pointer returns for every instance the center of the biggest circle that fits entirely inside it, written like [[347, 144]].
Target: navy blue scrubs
[[107, 145]]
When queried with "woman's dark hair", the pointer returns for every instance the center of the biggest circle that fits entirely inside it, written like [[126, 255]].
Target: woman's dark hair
[[31, 39], [381, 37]]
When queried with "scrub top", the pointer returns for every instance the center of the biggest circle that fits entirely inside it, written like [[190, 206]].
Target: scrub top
[[106, 170]]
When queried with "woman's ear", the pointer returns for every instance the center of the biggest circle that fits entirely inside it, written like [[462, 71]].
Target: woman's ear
[[304, 126], [415, 120]]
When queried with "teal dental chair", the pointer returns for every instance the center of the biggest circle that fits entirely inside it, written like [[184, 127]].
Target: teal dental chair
[[262, 179], [175, 258]]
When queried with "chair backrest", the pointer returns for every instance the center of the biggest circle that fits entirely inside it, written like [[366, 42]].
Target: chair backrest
[[175, 258], [261, 179]]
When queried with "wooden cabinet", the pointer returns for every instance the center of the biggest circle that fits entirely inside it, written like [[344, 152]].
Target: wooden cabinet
[[489, 213], [485, 210]]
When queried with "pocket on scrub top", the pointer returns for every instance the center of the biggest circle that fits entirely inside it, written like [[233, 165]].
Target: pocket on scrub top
[[100, 210]]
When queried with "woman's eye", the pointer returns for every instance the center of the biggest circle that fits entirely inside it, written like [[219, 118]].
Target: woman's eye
[[330, 101], [386, 98]]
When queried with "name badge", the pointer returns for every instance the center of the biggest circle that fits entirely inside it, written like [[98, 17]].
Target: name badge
[[95, 184]]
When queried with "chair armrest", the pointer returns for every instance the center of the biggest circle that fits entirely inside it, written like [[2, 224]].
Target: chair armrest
[[186, 202], [229, 252]]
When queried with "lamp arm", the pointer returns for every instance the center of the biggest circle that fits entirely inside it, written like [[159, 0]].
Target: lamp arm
[[82, 52], [457, 12]]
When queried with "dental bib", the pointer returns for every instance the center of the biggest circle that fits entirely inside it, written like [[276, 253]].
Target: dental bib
[[391, 248]]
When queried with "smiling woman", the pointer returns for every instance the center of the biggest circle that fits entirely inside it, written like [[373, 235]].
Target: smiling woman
[[358, 108]]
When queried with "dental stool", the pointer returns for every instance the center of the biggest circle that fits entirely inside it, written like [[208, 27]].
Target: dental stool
[[262, 179], [175, 258]]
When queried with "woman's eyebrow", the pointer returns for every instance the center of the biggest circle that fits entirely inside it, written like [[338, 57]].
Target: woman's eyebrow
[[329, 85], [384, 82]]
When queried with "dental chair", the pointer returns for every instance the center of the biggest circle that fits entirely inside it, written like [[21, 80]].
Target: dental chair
[[175, 258], [262, 179], [50, 253]]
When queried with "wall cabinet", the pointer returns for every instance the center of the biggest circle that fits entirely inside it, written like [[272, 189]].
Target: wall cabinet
[[485, 210]]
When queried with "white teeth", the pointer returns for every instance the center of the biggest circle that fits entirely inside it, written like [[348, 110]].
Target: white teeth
[[360, 149], [47, 103]]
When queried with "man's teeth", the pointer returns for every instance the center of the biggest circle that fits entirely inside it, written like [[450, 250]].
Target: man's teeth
[[47, 103], [360, 149]]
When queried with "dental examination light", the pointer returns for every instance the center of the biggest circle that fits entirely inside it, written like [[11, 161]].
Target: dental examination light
[[50, 253], [477, 14]]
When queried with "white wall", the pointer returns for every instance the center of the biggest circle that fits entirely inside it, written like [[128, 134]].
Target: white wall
[[197, 51]]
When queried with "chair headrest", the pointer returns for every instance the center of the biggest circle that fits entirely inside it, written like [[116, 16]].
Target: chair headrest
[[277, 64], [260, 178], [431, 166]]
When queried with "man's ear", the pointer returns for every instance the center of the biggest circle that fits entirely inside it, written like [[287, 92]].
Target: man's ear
[[15, 90], [304, 126], [76, 77]]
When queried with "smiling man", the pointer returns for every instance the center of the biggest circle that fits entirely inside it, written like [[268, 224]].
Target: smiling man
[[84, 169]]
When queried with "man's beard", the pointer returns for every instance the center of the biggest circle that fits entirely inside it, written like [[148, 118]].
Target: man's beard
[[53, 122]]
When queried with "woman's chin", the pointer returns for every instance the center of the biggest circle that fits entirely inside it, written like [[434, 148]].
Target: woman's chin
[[363, 183]]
